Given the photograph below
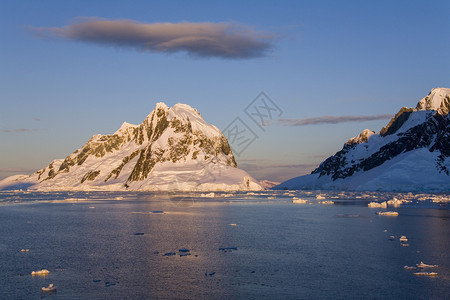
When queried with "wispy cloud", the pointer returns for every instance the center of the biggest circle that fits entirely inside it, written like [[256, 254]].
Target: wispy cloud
[[223, 40], [331, 120], [18, 130]]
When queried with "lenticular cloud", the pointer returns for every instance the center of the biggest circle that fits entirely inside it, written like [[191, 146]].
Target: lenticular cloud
[[223, 40]]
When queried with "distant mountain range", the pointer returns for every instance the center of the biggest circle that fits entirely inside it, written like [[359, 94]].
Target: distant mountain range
[[412, 153], [172, 149]]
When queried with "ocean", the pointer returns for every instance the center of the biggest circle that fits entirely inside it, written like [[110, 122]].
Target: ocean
[[105, 245]]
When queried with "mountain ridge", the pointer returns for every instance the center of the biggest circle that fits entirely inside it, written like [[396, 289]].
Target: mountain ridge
[[168, 139], [425, 127]]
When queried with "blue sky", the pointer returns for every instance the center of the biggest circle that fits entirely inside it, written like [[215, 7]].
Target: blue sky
[[326, 58]]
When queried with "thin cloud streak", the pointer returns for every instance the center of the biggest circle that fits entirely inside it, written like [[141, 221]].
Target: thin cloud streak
[[331, 120], [223, 40], [18, 130]]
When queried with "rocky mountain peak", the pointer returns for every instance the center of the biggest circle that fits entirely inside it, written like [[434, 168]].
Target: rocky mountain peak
[[135, 156], [434, 100], [361, 138]]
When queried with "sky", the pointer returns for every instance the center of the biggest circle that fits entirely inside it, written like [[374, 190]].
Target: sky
[[72, 69]]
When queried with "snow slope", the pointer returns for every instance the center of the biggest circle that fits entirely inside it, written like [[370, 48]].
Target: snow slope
[[173, 148], [410, 154]]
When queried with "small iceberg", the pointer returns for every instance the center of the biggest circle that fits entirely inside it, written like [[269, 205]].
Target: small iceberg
[[326, 202], [425, 274], [43, 272], [320, 197], [25, 250], [409, 268], [387, 213], [49, 289], [376, 204], [423, 265], [298, 200], [208, 195], [403, 238]]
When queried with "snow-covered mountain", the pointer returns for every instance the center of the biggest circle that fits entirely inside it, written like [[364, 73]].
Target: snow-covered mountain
[[267, 184], [172, 149], [412, 153]]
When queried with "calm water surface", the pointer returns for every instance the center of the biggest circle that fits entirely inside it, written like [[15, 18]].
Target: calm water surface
[[111, 245]]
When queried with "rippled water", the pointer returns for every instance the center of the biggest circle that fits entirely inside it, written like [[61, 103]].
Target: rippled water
[[112, 245]]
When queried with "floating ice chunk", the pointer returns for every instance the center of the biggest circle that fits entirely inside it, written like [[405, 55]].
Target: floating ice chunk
[[409, 268], [25, 250], [425, 274], [403, 238], [392, 237], [43, 272], [50, 288], [232, 224], [298, 200], [376, 204], [320, 197], [395, 202], [422, 265], [227, 249], [108, 284], [326, 202], [387, 213], [209, 195]]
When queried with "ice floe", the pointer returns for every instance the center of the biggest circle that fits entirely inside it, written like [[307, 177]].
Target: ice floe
[[425, 274], [387, 213], [43, 272], [299, 200], [326, 202], [403, 238], [50, 288], [423, 265]]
